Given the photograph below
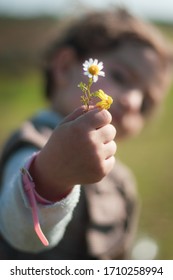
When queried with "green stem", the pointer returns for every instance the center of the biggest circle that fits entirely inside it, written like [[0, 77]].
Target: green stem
[[90, 82]]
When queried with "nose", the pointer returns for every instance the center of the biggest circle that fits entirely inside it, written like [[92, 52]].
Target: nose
[[131, 100]]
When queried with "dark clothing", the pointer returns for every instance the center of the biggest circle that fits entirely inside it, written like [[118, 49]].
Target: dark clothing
[[104, 220]]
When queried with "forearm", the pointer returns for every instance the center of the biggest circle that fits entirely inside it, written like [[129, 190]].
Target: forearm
[[15, 214]]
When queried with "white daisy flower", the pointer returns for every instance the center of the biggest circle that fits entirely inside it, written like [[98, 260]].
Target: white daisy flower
[[92, 69]]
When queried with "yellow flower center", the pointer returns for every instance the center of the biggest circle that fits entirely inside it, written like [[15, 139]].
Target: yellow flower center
[[93, 70]]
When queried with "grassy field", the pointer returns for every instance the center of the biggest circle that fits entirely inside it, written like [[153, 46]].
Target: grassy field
[[149, 155], [20, 96]]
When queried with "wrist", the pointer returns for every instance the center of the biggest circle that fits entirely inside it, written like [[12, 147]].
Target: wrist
[[44, 187]]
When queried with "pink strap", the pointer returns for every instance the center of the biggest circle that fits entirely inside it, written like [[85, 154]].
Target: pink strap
[[29, 189]]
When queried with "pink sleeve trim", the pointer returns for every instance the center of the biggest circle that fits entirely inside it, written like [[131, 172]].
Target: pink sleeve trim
[[29, 187]]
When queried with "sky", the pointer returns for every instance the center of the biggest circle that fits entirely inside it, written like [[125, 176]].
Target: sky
[[155, 9]]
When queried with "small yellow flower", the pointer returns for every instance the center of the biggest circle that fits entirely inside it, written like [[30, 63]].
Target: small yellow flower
[[106, 100], [93, 69]]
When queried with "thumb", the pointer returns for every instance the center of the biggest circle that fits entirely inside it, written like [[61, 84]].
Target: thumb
[[76, 113], [95, 118]]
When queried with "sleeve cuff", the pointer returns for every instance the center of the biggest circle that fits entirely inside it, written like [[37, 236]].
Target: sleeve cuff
[[38, 197]]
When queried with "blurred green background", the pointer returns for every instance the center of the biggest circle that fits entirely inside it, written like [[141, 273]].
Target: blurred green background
[[150, 155]]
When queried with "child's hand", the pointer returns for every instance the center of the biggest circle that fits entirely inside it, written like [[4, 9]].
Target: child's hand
[[80, 151]]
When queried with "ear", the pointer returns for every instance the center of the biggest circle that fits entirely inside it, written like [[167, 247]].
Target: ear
[[62, 64]]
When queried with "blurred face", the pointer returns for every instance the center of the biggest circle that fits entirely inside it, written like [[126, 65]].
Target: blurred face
[[129, 72]]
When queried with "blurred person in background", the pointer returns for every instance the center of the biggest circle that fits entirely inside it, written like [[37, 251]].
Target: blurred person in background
[[87, 203]]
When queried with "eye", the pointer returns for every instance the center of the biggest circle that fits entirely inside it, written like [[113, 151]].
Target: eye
[[120, 77]]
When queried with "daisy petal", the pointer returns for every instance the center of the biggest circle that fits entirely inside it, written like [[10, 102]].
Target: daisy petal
[[95, 79], [91, 61], [100, 65], [101, 73]]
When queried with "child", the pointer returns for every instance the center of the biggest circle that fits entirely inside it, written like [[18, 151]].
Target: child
[[85, 201]]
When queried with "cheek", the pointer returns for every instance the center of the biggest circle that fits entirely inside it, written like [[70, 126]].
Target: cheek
[[66, 101], [71, 103]]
